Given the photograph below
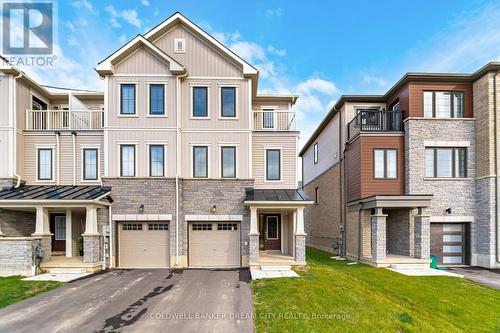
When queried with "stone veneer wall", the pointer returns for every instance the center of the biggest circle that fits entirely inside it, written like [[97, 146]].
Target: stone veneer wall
[[323, 219], [17, 223], [16, 256], [398, 231], [352, 233]]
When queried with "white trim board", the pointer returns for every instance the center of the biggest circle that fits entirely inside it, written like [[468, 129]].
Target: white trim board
[[142, 217], [213, 217], [448, 219]]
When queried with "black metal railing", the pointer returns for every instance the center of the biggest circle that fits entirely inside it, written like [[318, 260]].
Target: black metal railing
[[375, 121]]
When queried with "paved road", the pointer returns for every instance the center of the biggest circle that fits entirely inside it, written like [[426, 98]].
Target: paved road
[[139, 301], [489, 277]]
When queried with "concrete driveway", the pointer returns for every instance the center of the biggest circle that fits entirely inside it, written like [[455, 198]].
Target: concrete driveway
[[139, 301]]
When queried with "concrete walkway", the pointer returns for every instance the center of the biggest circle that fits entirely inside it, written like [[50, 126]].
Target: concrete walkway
[[139, 301]]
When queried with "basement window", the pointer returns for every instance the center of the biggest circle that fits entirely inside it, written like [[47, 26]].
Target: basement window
[[179, 45]]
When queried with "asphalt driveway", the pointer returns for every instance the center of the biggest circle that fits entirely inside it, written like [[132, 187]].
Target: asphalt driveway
[[489, 277], [139, 301]]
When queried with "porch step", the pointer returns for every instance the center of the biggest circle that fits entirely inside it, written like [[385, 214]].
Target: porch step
[[65, 270], [275, 268], [410, 266]]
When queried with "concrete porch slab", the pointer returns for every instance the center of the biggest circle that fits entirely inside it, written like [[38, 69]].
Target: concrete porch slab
[[260, 274], [62, 277], [424, 272]]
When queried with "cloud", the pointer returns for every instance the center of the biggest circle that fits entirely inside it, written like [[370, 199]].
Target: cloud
[[271, 49], [84, 4], [122, 39], [465, 45], [145, 2], [370, 79], [128, 15], [274, 12]]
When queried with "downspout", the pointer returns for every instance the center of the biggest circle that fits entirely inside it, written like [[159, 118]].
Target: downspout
[[110, 237], [342, 251], [497, 170], [57, 157], [73, 136], [14, 137], [359, 229], [178, 163]]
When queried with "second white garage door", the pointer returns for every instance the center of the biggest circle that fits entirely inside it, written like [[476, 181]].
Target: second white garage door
[[143, 244], [214, 244]]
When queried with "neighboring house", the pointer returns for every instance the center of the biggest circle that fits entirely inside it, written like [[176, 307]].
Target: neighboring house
[[402, 176], [186, 166]]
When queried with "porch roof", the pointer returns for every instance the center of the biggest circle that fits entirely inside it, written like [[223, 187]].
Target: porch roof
[[392, 201], [55, 192], [296, 196]]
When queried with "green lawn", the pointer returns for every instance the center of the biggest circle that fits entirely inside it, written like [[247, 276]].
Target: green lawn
[[13, 289], [360, 298]]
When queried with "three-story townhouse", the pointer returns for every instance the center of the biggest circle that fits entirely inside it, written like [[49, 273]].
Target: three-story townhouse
[[400, 177], [199, 170]]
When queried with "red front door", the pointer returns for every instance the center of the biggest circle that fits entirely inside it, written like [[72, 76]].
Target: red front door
[[272, 230], [58, 230]]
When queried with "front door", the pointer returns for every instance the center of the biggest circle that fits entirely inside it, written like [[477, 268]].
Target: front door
[[58, 230], [272, 225]]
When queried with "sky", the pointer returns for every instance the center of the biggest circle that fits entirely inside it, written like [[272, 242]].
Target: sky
[[316, 49]]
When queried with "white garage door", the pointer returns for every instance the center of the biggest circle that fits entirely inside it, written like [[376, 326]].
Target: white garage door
[[143, 244], [214, 244]]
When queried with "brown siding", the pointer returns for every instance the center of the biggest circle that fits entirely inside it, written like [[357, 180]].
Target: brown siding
[[359, 168], [403, 95], [416, 98]]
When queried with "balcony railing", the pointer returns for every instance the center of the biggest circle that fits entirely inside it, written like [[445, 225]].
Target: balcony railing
[[375, 121], [274, 121], [54, 120]]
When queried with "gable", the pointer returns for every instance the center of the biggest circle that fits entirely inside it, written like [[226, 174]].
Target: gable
[[142, 61], [200, 58]]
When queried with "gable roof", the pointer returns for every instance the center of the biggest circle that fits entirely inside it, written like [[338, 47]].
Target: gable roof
[[105, 67], [177, 18]]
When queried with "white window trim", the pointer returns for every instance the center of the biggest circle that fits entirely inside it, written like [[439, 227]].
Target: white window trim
[[164, 144], [265, 164], [136, 171], [275, 109], [191, 158], [136, 114], [176, 41], [236, 152], [53, 171], [191, 101], [165, 111], [436, 144], [82, 170], [316, 153], [236, 95]]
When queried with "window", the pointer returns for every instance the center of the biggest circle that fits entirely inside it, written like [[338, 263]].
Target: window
[[227, 226], [127, 157], [443, 104], [156, 160], [179, 45], [228, 101], [385, 163], [45, 164], [201, 226], [315, 153], [228, 156], [38, 104], [200, 161], [446, 162], [127, 98], [60, 228], [273, 164], [157, 99], [132, 226], [200, 101], [90, 164], [316, 192], [272, 227], [268, 119], [157, 226]]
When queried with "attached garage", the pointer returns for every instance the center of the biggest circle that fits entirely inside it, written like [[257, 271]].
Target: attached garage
[[450, 243], [143, 244], [214, 244]]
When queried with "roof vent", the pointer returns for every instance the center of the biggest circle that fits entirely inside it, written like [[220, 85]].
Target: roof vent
[[179, 45]]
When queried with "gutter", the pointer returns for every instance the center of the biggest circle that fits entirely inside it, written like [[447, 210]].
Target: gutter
[[14, 137], [497, 170], [178, 162]]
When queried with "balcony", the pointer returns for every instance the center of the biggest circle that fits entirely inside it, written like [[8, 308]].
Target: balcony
[[375, 121], [274, 121], [60, 120]]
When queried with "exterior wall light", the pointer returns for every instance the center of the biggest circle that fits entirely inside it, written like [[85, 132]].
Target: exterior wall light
[[141, 208], [214, 209]]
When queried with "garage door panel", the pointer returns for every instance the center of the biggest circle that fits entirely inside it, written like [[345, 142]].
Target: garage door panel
[[146, 246], [211, 247]]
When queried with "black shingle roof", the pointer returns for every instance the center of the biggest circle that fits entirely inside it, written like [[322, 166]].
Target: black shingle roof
[[275, 195], [48, 192]]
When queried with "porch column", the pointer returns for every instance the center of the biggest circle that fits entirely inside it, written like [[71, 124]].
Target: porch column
[[300, 236], [422, 235], [42, 231], [91, 248], [254, 235], [1, 233], [69, 234], [379, 235]]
